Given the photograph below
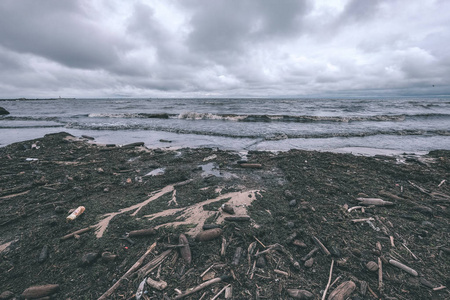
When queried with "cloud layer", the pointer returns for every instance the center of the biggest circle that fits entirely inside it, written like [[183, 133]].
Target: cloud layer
[[223, 48]]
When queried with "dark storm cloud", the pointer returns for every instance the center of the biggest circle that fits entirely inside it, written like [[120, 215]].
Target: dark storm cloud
[[101, 48], [57, 30]]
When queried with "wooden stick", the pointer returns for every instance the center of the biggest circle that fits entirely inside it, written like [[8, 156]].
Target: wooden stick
[[202, 286], [321, 246], [310, 254], [153, 264], [362, 220], [78, 232], [133, 268], [354, 207], [391, 238], [206, 271], [380, 275], [329, 280], [415, 257], [339, 277], [221, 291], [403, 267], [259, 241], [439, 288], [372, 292], [281, 272]]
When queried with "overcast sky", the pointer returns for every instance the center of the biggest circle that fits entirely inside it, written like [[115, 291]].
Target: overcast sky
[[223, 48]]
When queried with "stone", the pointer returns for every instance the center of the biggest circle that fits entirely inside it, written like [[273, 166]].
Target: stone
[[261, 262], [89, 258], [372, 266], [6, 295], [3, 111], [309, 263], [292, 203]]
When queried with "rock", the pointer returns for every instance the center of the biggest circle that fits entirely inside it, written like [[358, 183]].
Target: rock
[[228, 208], [261, 262], [343, 291], [292, 203], [210, 226], [299, 244], [309, 263], [40, 291], [6, 295], [290, 224], [427, 224], [288, 194], [372, 266], [142, 232], [208, 235], [44, 254], [357, 252], [3, 111], [89, 258], [300, 294]]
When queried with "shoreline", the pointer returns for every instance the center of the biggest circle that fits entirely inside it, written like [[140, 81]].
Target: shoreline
[[286, 198]]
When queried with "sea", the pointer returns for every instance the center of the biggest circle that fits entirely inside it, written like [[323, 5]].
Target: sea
[[356, 125]]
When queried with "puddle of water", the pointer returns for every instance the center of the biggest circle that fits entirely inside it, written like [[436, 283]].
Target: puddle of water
[[210, 169]]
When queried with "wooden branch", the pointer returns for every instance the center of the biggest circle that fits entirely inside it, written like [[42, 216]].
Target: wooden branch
[[329, 280], [153, 264], [78, 232], [220, 292], [410, 252], [362, 220], [380, 275], [403, 267], [202, 286], [281, 272], [310, 254], [133, 269], [158, 285], [374, 201], [321, 246]]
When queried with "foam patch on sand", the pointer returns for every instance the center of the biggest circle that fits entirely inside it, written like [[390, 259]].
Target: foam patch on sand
[[190, 215]]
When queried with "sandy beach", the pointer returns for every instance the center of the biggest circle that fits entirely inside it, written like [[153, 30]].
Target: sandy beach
[[284, 219]]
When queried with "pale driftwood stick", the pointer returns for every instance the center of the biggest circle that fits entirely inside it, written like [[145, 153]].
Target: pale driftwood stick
[[259, 241], [410, 252], [223, 249], [379, 246], [336, 280], [253, 269], [220, 292], [281, 272], [202, 286], [203, 296], [374, 201], [78, 232], [380, 275], [391, 238], [439, 288], [362, 220], [153, 264], [419, 188], [442, 182], [329, 280], [310, 254], [321, 246], [207, 270], [354, 207], [280, 248], [133, 268], [229, 292], [403, 267]]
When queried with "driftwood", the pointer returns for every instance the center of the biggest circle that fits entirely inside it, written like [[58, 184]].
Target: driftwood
[[208, 235], [310, 254], [229, 292], [237, 218], [142, 232], [403, 267], [280, 248], [343, 291], [237, 256], [40, 291], [153, 264], [300, 294], [158, 285], [362, 220], [374, 201], [329, 281], [78, 232], [281, 272], [220, 292], [185, 251], [321, 246], [202, 286], [133, 269], [251, 166], [380, 275], [223, 248]]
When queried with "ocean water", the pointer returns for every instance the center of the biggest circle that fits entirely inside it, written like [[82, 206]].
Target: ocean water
[[397, 124]]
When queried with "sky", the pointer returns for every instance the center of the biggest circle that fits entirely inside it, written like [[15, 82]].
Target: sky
[[224, 48]]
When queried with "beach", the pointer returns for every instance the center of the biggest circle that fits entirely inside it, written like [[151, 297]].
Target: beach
[[301, 209]]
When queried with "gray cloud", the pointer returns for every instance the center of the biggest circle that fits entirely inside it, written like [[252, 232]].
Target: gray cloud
[[105, 48]]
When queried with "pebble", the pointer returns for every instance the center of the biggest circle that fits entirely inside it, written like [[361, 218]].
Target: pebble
[[309, 263], [228, 208], [108, 256], [299, 244], [6, 295], [372, 266], [292, 203], [89, 258], [288, 194], [261, 262], [290, 224], [357, 252], [300, 294], [44, 254]]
